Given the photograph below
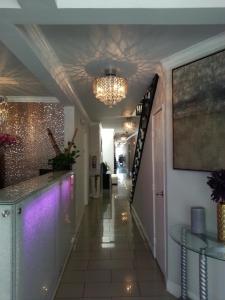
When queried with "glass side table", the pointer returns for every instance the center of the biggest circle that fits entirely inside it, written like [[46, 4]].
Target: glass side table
[[206, 245]]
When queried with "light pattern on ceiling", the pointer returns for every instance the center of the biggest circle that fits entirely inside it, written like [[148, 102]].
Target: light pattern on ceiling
[[16, 79]]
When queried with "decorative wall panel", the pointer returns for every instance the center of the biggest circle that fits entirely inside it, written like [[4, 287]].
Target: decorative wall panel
[[28, 122]]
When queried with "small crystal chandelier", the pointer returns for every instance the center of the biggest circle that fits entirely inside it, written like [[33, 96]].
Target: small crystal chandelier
[[110, 89], [3, 109], [129, 125]]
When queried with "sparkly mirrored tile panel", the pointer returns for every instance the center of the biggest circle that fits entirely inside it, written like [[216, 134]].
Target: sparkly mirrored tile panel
[[28, 122]]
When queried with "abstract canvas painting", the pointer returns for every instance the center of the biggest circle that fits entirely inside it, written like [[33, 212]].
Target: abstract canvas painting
[[199, 114]]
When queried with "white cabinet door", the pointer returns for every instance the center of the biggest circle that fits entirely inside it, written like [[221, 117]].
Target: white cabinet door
[[6, 251], [36, 223], [66, 222], [45, 225]]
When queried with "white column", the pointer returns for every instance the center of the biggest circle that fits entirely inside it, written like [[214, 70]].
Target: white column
[[69, 123]]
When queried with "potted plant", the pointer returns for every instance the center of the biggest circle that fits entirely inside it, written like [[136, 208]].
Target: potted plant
[[65, 160], [217, 183]]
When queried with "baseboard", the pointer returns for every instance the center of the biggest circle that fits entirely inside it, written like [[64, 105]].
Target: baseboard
[[74, 241], [63, 269], [174, 289], [79, 224], [141, 228]]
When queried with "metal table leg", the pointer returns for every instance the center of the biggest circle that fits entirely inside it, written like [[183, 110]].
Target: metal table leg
[[203, 276], [183, 264]]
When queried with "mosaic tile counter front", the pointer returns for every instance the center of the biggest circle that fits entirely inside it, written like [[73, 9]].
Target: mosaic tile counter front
[[28, 122]]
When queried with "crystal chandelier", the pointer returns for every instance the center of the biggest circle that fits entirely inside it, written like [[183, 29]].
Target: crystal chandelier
[[3, 109], [110, 89], [129, 125]]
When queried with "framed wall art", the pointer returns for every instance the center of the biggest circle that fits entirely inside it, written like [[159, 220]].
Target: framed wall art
[[199, 114]]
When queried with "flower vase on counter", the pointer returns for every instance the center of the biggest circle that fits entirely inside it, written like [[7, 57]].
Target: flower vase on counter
[[217, 183]]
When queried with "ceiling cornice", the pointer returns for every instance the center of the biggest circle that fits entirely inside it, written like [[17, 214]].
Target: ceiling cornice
[[16, 43], [32, 99], [51, 62], [194, 52]]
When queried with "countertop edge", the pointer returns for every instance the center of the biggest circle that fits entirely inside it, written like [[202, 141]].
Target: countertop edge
[[14, 194]]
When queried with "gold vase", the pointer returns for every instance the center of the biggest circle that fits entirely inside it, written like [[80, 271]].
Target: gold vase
[[221, 221]]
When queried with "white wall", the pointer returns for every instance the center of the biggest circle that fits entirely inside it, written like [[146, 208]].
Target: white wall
[[189, 188], [183, 188], [95, 147], [75, 119], [69, 123], [108, 147]]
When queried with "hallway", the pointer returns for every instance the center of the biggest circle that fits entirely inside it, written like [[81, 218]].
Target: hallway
[[111, 261]]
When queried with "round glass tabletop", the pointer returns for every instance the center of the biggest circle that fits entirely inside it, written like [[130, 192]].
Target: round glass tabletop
[[182, 235]]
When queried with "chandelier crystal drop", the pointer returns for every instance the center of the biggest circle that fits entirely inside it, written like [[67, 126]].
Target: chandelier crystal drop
[[3, 109], [110, 89]]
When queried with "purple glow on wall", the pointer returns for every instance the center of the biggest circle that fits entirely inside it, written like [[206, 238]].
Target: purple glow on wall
[[39, 215], [36, 250], [66, 196], [65, 190]]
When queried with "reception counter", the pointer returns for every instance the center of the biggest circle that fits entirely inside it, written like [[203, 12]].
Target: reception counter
[[37, 227]]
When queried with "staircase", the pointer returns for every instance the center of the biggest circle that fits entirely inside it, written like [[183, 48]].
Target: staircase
[[142, 131]]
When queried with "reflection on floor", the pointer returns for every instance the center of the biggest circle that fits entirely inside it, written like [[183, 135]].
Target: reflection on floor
[[122, 169], [111, 260]]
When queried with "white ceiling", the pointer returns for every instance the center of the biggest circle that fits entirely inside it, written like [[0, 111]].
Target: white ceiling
[[86, 51], [59, 57]]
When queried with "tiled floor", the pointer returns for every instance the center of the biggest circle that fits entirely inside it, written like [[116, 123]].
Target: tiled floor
[[111, 261]]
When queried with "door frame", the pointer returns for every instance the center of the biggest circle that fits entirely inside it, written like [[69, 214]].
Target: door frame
[[86, 167], [161, 109]]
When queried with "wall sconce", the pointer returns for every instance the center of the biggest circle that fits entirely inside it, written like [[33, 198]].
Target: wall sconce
[[124, 217], [129, 288], [3, 109]]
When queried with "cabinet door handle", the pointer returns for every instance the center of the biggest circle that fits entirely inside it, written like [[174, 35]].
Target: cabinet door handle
[[19, 211], [160, 194], [5, 213]]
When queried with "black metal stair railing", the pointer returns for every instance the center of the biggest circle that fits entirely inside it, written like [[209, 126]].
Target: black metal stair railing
[[143, 126]]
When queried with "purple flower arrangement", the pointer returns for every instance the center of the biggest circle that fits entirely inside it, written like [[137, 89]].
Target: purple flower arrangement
[[7, 140], [217, 183]]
